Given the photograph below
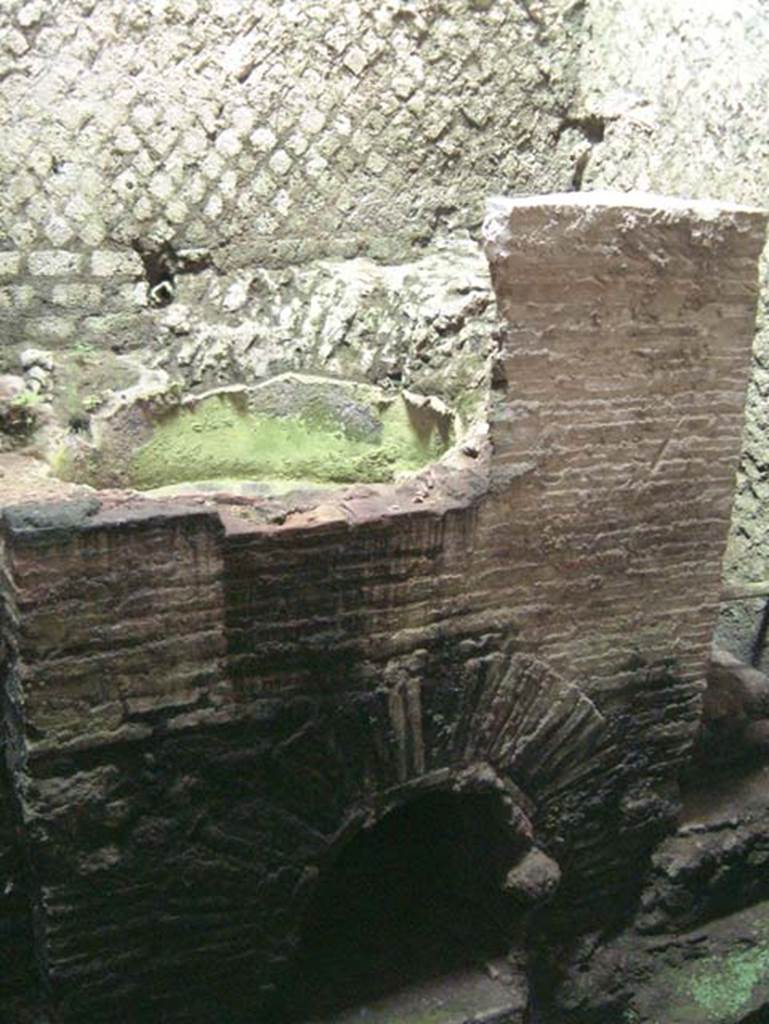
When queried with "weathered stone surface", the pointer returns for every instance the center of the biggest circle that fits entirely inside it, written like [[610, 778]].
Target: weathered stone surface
[[675, 94], [16, 418], [534, 879], [204, 707], [422, 323], [46, 521], [419, 332], [616, 422], [696, 948], [717, 973], [18, 973], [734, 714], [470, 997], [716, 861], [376, 125], [735, 690], [16, 944]]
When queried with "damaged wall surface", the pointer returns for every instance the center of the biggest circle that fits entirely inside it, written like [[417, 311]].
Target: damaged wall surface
[[145, 146], [203, 703], [211, 696], [272, 134]]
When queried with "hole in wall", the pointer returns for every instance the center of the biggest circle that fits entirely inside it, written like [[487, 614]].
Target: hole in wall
[[417, 896], [158, 263]]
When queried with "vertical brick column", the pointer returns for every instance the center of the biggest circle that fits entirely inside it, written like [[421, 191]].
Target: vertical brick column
[[113, 625], [119, 614], [627, 327]]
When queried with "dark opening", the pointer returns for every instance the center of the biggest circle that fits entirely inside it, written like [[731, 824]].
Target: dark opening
[[415, 896]]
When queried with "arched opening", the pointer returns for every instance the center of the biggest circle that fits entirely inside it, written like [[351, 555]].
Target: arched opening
[[416, 896]]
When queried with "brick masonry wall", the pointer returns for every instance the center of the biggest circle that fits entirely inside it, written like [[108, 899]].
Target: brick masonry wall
[[197, 716], [679, 90], [616, 430], [78, 688], [131, 618], [299, 130], [176, 833], [371, 590], [174, 799]]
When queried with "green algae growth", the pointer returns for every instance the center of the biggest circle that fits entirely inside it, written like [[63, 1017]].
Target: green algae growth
[[722, 987], [217, 437]]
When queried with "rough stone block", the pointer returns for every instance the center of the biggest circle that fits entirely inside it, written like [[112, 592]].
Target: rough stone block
[[54, 262], [116, 263], [77, 296], [10, 263], [17, 296], [44, 328]]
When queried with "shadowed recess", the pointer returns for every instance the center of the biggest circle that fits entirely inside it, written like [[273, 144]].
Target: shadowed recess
[[417, 895]]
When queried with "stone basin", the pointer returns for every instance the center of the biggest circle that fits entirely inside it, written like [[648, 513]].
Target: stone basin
[[293, 429]]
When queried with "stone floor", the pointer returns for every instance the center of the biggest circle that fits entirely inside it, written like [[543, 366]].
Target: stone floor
[[490, 995]]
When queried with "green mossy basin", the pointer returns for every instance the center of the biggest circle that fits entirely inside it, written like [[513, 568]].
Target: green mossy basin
[[291, 428]]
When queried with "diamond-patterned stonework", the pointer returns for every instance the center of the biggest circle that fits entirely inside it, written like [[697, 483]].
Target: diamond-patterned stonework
[[291, 121], [269, 134]]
